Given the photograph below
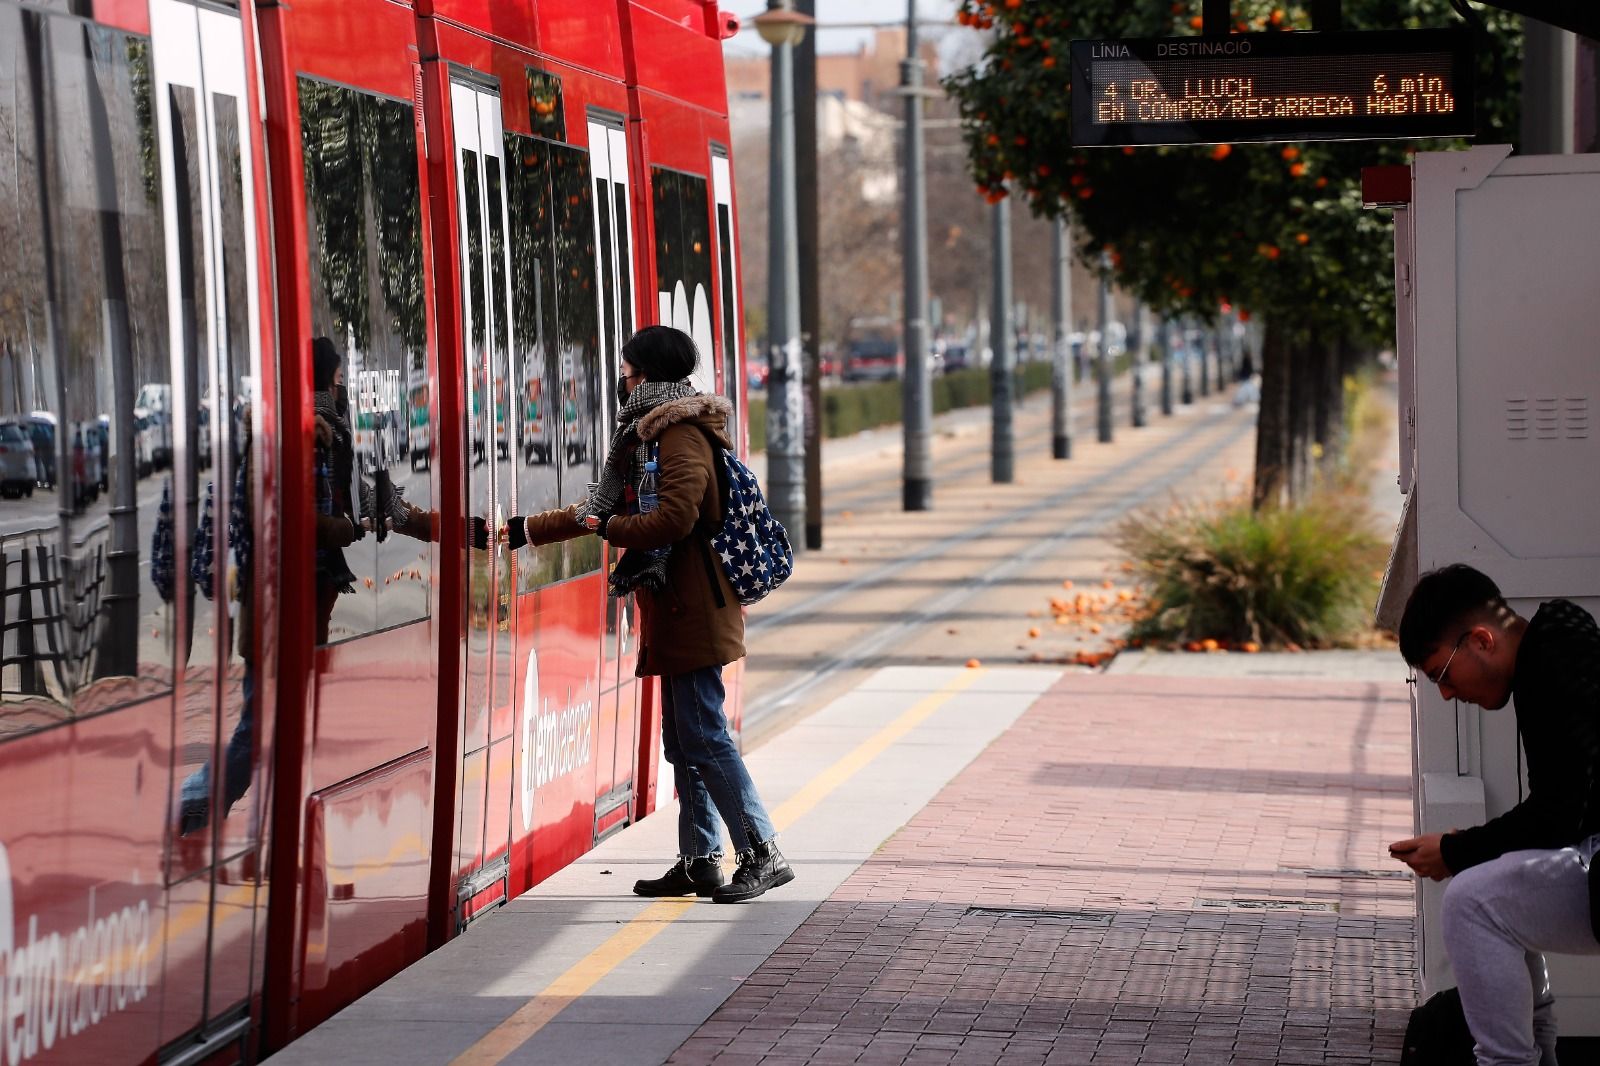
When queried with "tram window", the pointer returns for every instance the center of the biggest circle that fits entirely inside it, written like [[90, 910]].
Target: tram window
[[683, 261], [608, 293], [235, 473], [578, 341], [83, 341], [544, 105], [504, 431], [364, 217], [730, 333], [537, 386], [624, 264]]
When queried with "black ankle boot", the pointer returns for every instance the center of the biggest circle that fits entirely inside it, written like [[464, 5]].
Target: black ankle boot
[[760, 868], [688, 877]]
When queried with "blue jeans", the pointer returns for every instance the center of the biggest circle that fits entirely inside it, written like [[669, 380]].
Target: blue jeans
[[237, 762], [707, 769]]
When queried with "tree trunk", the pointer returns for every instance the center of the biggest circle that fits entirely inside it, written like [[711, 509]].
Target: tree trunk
[[1330, 411], [1272, 423]]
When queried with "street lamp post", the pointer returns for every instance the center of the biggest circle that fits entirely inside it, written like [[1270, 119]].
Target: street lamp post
[[782, 28]]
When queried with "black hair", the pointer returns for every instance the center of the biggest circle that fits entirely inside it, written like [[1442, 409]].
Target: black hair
[[325, 360], [662, 353], [1444, 599]]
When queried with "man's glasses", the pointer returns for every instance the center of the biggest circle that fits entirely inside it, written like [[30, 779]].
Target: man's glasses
[[1437, 681]]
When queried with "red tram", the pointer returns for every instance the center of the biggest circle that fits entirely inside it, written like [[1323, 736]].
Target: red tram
[[250, 768]]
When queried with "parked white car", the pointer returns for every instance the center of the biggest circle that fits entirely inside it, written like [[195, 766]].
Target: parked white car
[[18, 470]]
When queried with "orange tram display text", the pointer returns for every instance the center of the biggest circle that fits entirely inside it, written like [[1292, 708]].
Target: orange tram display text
[[1271, 87]]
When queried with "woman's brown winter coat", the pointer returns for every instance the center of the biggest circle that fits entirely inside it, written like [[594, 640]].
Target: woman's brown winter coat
[[695, 621]]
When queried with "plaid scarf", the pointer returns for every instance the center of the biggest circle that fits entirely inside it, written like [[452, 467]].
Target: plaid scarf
[[624, 462]]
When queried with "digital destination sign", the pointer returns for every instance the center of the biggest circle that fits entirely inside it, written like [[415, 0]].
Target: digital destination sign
[[1272, 87]]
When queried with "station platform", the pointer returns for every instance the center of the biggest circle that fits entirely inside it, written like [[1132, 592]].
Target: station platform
[[995, 865]]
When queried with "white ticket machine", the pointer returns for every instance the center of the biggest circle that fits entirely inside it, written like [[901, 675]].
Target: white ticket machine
[[1497, 285]]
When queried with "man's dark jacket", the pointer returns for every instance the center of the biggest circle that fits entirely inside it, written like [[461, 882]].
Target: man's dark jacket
[[1557, 694]]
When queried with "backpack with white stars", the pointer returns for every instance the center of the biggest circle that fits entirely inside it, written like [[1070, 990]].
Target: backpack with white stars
[[753, 545]]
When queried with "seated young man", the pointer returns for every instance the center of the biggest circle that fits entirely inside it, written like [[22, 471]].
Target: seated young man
[[1524, 882]]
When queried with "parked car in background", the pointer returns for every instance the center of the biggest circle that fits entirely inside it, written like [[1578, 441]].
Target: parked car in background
[[872, 350], [959, 357], [18, 470], [41, 426], [756, 371], [154, 404]]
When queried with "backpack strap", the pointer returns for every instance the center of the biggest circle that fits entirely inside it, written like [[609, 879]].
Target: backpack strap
[[709, 529]]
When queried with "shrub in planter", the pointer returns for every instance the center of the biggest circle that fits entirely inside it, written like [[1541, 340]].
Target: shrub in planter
[[1305, 575]]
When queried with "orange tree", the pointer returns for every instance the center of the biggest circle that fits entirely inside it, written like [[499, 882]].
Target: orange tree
[[1277, 230]]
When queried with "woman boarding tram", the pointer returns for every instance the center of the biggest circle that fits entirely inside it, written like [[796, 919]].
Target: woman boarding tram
[[692, 625]]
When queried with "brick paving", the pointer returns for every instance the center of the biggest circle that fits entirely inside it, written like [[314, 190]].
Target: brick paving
[[1164, 870]]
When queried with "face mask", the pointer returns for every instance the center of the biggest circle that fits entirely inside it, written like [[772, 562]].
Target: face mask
[[622, 393], [341, 400]]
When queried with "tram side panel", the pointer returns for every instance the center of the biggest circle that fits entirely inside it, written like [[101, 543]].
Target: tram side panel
[[131, 723], [361, 624]]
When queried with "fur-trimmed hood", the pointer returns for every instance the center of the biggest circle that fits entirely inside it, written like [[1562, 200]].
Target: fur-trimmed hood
[[708, 411]]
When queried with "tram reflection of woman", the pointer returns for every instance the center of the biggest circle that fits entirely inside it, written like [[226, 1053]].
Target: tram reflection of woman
[[332, 460], [342, 519]]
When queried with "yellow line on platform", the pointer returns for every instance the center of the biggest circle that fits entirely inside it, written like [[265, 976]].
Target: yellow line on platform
[[535, 1014], [818, 787], [539, 1011]]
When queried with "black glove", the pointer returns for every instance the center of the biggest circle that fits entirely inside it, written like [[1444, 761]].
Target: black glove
[[478, 533], [516, 531], [383, 502]]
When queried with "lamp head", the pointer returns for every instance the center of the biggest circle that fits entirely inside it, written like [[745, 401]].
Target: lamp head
[[780, 24]]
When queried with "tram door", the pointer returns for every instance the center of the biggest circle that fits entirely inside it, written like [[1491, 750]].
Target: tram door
[[488, 452], [207, 178], [617, 736]]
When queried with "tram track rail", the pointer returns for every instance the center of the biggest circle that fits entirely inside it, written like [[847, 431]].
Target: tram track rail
[[1202, 441]]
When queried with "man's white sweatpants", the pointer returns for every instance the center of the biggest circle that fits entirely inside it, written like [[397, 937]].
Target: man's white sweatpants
[[1498, 919]]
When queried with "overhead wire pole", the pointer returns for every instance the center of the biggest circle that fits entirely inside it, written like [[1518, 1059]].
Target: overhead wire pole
[[1002, 379], [1061, 354], [917, 396], [1166, 365], [1138, 355], [1102, 362], [1549, 68], [805, 149]]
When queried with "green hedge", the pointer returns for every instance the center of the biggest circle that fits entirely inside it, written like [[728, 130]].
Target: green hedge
[[849, 409]]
